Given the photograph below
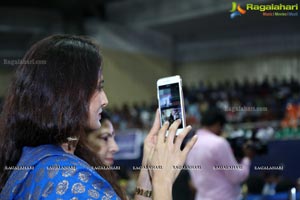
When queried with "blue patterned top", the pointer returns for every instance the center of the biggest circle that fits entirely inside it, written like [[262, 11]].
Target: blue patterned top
[[47, 172]]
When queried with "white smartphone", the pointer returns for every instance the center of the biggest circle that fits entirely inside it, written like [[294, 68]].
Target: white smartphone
[[171, 101]]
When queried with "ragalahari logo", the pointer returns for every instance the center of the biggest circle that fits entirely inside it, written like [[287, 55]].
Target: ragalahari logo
[[236, 10]]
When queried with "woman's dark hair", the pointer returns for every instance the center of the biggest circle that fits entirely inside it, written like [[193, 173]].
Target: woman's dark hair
[[48, 100], [105, 116]]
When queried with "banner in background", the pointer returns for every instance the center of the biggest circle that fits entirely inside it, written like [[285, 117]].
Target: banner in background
[[129, 143]]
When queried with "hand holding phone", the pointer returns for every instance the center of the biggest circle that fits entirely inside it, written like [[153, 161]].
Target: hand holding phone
[[171, 101]]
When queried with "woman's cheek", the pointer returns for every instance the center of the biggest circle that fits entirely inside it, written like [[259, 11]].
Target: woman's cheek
[[98, 146], [102, 154], [95, 144]]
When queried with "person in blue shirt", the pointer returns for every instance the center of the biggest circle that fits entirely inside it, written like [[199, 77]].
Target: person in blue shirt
[[55, 98]]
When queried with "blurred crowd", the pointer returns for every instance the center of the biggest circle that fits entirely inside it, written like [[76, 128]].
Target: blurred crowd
[[268, 100], [245, 101]]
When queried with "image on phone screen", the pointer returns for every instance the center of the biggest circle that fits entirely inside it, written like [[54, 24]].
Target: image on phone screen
[[170, 105]]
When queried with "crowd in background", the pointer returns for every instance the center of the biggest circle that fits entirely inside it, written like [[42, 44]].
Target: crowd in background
[[268, 100], [242, 101]]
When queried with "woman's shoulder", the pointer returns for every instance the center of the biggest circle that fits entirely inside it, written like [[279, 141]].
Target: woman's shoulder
[[33, 155], [52, 156], [52, 173], [65, 176]]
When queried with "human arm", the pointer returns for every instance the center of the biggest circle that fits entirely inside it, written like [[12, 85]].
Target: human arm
[[164, 153], [144, 180], [235, 172], [168, 157]]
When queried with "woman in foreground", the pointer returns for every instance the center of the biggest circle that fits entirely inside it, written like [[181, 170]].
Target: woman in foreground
[[49, 107]]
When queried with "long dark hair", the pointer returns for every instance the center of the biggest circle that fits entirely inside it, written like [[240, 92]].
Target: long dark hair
[[48, 100]]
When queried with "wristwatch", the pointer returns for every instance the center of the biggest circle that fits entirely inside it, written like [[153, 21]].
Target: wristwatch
[[145, 193]]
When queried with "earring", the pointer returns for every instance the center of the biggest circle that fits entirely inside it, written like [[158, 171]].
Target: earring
[[71, 142]]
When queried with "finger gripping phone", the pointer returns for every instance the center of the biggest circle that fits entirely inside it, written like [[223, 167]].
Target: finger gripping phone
[[171, 101]]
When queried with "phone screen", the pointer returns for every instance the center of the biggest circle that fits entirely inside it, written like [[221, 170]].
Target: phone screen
[[170, 105]]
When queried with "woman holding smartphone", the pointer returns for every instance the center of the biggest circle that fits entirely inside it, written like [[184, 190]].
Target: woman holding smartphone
[[49, 107]]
